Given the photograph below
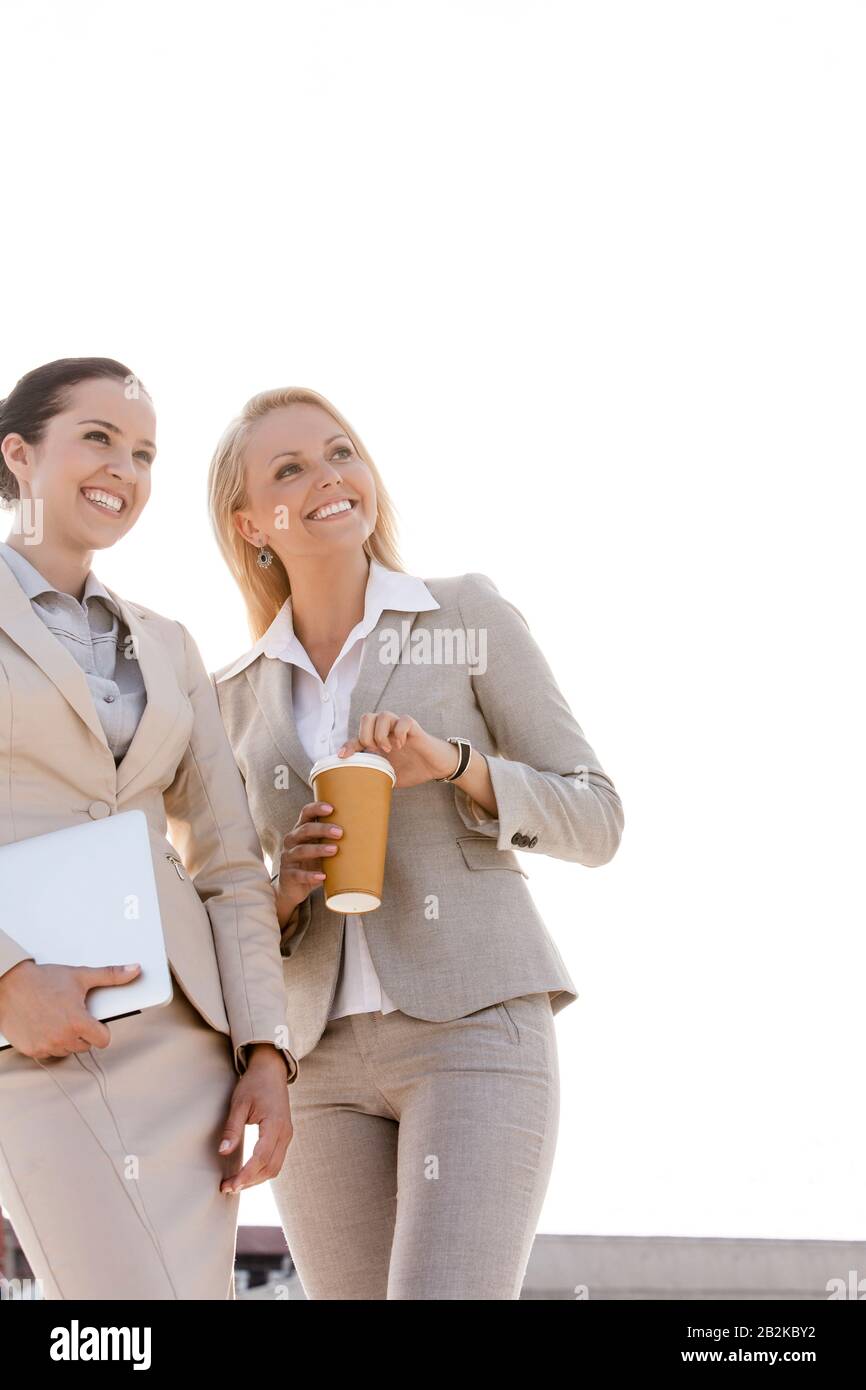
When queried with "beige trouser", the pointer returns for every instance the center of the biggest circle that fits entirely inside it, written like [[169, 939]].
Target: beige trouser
[[108, 1161], [421, 1153]]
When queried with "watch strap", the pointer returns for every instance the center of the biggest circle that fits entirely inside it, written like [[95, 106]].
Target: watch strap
[[465, 748]]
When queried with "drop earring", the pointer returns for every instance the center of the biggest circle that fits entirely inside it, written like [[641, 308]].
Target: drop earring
[[265, 557]]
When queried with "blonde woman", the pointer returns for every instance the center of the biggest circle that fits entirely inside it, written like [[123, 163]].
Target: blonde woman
[[121, 1151], [426, 1109]]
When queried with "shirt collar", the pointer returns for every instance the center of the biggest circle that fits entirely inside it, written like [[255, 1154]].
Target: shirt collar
[[35, 584], [386, 589]]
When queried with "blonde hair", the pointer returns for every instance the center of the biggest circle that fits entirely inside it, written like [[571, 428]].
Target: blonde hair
[[265, 590]]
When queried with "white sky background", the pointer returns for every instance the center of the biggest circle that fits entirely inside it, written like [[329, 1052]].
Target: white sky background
[[588, 280]]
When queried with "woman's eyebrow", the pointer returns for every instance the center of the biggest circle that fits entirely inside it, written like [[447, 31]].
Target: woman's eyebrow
[[286, 453], [114, 429]]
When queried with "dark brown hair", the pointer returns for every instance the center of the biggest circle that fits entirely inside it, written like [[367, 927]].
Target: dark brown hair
[[43, 393]]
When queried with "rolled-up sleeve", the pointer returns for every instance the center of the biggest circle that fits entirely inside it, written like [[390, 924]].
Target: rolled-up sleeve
[[550, 787], [211, 826]]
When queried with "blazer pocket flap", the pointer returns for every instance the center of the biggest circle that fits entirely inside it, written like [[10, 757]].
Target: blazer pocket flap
[[482, 853]]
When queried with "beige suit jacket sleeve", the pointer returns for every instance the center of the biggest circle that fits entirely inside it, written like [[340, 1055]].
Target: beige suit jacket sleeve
[[210, 825], [548, 782], [11, 952]]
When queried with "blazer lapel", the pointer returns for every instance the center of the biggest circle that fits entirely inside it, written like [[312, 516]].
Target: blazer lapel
[[166, 701], [375, 673], [271, 680], [273, 689], [33, 637]]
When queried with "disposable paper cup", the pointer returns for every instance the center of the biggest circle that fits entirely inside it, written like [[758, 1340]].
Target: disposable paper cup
[[359, 789]]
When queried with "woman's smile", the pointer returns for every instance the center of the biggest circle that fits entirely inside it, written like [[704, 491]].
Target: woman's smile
[[104, 500], [333, 511]]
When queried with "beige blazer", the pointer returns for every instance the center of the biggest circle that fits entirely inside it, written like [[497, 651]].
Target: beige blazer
[[56, 770], [458, 929]]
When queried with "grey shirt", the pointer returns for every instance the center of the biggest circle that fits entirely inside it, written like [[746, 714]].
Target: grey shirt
[[93, 631]]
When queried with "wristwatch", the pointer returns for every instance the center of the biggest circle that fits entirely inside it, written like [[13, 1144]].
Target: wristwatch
[[463, 762]]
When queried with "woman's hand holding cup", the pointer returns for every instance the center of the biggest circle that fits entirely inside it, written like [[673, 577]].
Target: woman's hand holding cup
[[415, 755], [301, 858]]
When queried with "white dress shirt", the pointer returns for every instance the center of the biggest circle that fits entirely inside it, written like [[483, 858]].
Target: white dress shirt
[[321, 711]]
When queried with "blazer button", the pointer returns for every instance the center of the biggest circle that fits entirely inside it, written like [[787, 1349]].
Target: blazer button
[[98, 810], [517, 838], [533, 842]]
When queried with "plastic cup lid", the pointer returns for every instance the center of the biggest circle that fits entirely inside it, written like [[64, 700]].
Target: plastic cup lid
[[354, 760]]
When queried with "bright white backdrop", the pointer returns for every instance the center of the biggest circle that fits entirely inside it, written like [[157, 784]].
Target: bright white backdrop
[[588, 280]]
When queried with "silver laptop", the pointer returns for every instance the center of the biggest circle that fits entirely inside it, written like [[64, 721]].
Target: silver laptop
[[86, 895]]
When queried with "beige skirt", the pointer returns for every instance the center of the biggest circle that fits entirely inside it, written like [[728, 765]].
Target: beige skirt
[[109, 1168]]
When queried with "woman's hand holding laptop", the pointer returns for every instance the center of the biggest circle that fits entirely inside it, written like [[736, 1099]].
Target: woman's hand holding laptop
[[43, 1011]]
